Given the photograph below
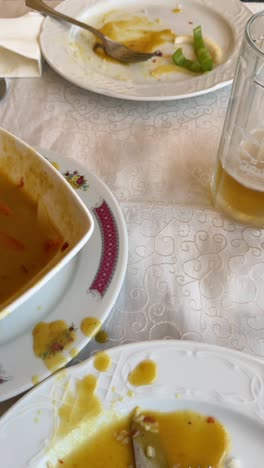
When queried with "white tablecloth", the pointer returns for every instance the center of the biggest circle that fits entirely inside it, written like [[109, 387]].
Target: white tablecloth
[[192, 273]]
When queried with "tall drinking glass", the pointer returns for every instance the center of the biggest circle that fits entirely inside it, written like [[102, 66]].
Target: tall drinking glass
[[238, 180]]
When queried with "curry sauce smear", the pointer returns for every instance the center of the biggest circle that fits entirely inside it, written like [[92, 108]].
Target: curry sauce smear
[[137, 33], [50, 340], [104, 439], [25, 247], [189, 439]]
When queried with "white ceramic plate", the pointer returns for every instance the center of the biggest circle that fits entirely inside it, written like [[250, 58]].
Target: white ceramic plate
[[69, 54], [216, 381], [87, 286]]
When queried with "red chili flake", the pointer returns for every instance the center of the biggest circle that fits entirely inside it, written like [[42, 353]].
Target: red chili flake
[[57, 347], [64, 246], [10, 242], [190, 22], [5, 210], [50, 244], [154, 60], [149, 419], [61, 461], [21, 183], [72, 328], [158, 53], [210, 420], [24, 268]]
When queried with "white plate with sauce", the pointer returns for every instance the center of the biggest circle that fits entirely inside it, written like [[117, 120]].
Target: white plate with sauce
[[69, 50], [50, 421], [80, 297]]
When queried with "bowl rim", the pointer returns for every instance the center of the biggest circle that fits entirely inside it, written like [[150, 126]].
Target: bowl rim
[[9, 308]]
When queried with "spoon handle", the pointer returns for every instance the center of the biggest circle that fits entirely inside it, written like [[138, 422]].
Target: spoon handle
[[46, 10]]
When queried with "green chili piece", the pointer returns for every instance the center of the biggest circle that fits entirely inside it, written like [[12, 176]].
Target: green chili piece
[[180, 60], [201, 50]]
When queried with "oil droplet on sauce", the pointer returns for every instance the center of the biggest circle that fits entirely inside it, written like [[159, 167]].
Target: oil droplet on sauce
[[82, 404], [102, 336], [201, 442], [137, 34], [145, 373], [49, 341], [90, 326], [102, 361]]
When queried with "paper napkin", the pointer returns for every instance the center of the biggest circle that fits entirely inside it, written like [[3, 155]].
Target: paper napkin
[[20, 54]]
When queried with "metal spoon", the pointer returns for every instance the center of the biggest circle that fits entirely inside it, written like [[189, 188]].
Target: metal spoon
[[3, 88]]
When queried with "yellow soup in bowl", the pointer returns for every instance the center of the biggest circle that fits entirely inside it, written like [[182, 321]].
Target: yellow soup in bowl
[[26, 244]]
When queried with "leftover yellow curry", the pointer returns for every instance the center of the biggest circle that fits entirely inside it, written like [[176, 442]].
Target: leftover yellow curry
[[26, 246], [136, 33], [189, 439], [50, 340]]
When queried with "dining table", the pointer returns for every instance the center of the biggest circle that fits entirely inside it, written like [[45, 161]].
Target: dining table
[[192, 272]]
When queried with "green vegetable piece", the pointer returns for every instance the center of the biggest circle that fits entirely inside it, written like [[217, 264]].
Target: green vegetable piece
[[201, 50], [180, 60]]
